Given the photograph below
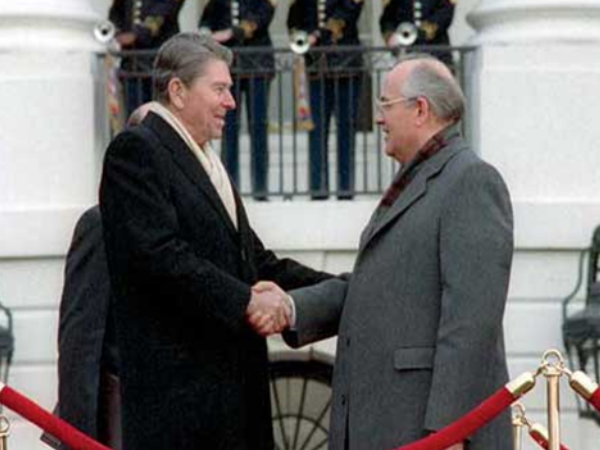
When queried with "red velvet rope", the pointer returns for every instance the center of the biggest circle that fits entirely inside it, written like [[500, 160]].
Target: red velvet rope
[[464, 427], [67, 434], [543, 442], [595, 399]]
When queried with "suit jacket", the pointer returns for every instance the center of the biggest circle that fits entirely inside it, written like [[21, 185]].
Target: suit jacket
[[86, 342], [193, 373], [419, 320]]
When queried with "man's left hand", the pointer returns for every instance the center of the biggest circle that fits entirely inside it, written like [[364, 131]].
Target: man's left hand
[[223, 35]]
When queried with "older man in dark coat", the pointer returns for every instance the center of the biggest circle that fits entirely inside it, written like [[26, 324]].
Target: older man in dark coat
[[183, 259], [419, 320]]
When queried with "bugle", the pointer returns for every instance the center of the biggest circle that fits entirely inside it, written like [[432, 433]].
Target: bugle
[[299, 42], [406, 34], [104, 32], [300, 45]]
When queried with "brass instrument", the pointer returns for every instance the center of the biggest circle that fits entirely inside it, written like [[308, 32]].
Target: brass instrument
[[299, 42], [300, 45], [104, 32], [406, 34]]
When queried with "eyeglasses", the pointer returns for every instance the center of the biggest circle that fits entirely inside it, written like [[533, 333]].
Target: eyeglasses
[[385, 105]]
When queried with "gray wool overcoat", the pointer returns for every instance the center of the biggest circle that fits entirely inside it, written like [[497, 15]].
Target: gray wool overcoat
[[419, 319]]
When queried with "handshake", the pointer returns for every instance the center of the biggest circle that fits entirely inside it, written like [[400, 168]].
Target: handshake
[[269, 310]]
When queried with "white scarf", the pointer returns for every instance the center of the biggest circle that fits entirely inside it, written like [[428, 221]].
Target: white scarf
[[207, 157]]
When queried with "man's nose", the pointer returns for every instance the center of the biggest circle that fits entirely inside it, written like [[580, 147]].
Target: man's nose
[[229, 101]]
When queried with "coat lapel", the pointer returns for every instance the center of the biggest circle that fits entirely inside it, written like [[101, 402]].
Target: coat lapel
[[414, 191], [189, 165]]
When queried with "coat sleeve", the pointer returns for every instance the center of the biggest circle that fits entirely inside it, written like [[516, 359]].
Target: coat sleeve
[[210, 14], [346, 13], [297, 19], [116, 14], [318, 311], [257, 18], [143, 239], [476, 245], [391, 17], [154, 14], [348, 10], [286, 272], [439, 21]]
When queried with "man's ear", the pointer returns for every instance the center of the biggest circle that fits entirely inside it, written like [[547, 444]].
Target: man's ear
[[423, 110], [177, 93]]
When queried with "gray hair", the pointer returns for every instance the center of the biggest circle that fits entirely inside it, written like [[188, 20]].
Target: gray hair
[[185, 56], [432, 80]]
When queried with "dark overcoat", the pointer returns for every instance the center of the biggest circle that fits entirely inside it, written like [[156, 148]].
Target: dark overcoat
[[86, 342], [193, 374]]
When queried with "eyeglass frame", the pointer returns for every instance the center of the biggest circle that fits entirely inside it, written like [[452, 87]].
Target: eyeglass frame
[[385, 104]]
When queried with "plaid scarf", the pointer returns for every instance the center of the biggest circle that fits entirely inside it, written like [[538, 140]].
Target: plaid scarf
[[408, 171]]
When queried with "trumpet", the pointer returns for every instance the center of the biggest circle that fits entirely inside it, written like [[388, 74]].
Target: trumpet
[[104, 32], [406, 34], [299, 42]]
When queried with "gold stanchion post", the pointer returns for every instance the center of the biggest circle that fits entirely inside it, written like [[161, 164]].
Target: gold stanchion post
[[517, 425], [4, 432], [553, 364]]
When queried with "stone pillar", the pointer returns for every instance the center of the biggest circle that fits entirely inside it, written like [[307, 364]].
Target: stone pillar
[[536, 85], [49, 165], [536, 78]]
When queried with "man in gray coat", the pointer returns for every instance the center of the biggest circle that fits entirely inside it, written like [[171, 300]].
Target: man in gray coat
[[419, 320]]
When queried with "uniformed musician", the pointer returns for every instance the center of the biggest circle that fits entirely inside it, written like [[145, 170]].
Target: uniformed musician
[[142, 25], [243, 25], [335, 79], [431, 20]]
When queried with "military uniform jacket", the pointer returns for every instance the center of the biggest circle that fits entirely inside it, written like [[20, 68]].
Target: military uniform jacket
[[336, 23], [249, 20], [152, 21], [431, 17], [193, 373]]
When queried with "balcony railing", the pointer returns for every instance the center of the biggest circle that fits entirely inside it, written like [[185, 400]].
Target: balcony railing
[[287, 139]]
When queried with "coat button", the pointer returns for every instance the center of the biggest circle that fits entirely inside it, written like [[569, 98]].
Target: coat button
[[343, 399], [347, 342]]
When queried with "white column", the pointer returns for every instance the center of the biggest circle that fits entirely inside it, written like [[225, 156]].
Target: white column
[[49, 164], [48, 160], [536, 85]]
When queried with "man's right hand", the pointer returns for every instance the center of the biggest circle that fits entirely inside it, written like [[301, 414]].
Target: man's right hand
[[125, 39], [268, 311]]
